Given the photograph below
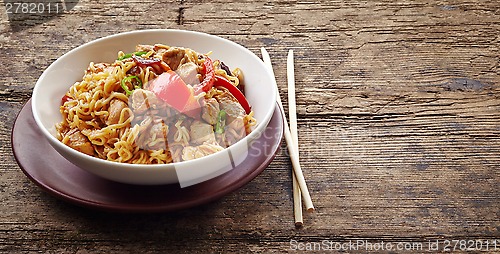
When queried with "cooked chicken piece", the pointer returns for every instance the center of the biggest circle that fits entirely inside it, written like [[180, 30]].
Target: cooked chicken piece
[[173, 57], [95, 136], [201, 132], [188, 73], [235, 131], [101, 153], [237, 124], [145, 48], [158, 136], [195, 152], [62, 130], [235, 114], [228, 103], [158, 47], [99, 67], [116, 107], [210, 109], [141, 100], [79, 142]]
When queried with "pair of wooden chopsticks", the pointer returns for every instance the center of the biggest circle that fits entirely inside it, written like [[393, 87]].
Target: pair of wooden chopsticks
[[291, 137]]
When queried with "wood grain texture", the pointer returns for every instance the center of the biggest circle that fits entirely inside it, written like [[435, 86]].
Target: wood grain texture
[[398, 106]]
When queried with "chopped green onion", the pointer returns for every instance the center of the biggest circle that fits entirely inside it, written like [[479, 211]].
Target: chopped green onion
[[221, 122], [129, 55], [129, 79]]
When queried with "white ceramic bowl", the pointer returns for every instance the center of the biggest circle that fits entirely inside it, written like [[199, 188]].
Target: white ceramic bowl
[[260, 91]]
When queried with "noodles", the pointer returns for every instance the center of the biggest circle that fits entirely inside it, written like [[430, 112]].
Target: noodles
[[158, 105]]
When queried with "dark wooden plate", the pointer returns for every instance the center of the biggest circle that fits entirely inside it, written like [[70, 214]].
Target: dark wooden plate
[[54, 174]]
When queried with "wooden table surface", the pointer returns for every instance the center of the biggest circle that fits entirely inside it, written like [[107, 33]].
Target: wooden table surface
[[398, 114]]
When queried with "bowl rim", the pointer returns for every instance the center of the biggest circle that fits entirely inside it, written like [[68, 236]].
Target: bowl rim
[[129, 166]]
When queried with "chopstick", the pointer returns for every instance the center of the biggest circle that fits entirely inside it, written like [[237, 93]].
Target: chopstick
[[297, 202], [292, 107], [290, 144], [292, 114]]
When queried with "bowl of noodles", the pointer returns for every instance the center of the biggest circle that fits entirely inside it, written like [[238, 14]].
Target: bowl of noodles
[[154, 107]]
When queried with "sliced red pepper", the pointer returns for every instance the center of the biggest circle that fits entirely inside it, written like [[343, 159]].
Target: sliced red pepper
[[208, 77], [158, 65], [145, 62], [65, 98], [220, 81], [170, 88]]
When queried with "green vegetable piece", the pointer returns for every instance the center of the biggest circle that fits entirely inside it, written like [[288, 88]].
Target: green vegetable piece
[[221, 122], [129, 79], [129, 55]]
